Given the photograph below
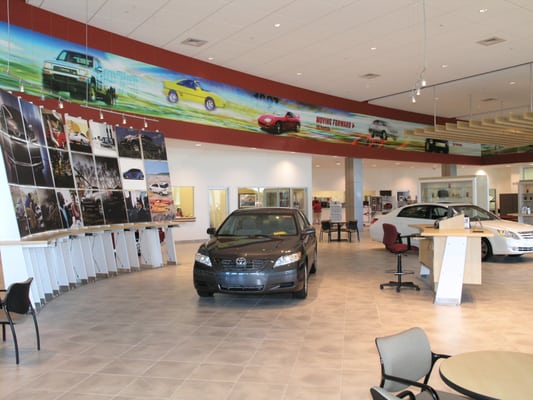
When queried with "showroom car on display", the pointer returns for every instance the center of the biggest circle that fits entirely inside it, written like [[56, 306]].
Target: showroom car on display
[[509, 237]]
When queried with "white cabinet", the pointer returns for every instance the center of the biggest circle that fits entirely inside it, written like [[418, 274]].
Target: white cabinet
[[525, 201], [455, 189]]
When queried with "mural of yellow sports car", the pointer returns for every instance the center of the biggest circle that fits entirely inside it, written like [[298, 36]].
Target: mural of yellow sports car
[[191, 90]]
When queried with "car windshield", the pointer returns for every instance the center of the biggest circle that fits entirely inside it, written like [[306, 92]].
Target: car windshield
[[475, 213], [258, 224]]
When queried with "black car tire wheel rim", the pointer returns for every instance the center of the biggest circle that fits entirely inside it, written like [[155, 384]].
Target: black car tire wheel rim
[[210, 104], [302, 294], [173, 97], [486, 250], [278, 127]]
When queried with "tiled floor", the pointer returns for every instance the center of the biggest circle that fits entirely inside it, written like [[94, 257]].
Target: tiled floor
[[147, 335]]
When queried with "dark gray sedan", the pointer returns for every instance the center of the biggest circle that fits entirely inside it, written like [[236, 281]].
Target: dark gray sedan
[[258, 250]]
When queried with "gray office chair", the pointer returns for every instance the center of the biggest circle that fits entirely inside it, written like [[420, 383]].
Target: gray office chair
[[379, 393], [407, 361]]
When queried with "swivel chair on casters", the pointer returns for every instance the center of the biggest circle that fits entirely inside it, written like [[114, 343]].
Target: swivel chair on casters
[[393, 243]]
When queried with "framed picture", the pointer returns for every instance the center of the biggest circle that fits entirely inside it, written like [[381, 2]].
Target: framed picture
[[247, 200]]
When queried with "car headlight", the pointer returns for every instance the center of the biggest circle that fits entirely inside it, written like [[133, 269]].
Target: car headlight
[[287, 259], [268, 120], [203, 258], [508, 234], [47, 65]]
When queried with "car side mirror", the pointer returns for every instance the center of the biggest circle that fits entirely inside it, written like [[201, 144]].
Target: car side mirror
[[211, 231], [309, 231]]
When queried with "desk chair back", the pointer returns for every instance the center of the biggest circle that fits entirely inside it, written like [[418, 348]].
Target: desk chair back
[[391, 239], [17, 301], [325, 227]]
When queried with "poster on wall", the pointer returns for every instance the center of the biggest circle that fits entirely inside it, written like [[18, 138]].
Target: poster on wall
[[124, 84], [103, 139], [78, 136], [159, 190]]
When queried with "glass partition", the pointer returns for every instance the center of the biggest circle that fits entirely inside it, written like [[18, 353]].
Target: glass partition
[[218, 206], [272, 197]]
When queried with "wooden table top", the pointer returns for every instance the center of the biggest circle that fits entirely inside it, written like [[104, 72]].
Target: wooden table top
[[490, 375]]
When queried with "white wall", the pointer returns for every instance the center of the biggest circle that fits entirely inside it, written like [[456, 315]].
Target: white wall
[[231, 168]]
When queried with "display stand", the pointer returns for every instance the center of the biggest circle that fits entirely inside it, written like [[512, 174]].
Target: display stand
[[452, 255]]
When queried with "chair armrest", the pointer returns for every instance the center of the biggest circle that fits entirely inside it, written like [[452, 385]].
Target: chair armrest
[[406, 394]]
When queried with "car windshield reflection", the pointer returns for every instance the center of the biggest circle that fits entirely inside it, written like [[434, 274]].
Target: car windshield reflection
[[259, 225]]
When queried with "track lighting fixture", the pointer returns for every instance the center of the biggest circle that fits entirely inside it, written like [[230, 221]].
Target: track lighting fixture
[[21, 86], [418, 90], [60, 104], [101, 114], [145, 123], [413, 98], [124, 122]]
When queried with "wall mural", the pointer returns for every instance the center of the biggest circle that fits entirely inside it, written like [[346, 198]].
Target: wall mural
[[56, 68], [66, 172]]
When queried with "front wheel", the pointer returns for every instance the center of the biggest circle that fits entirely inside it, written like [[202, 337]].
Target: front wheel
[[486, 249], [302, 293], [278, 128], [204, 293]]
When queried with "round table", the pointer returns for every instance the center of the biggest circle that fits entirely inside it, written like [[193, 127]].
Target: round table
[[490, 375]]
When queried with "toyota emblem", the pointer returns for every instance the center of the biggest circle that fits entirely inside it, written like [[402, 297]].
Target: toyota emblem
[[240, 261]]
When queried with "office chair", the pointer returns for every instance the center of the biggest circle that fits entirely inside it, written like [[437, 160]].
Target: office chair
[[351, 228], [379, 393], [407, 361], [325, 227], [393, 243], [17, 301]]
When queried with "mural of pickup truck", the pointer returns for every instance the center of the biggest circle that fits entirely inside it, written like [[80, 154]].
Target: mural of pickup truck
[[79, 74]]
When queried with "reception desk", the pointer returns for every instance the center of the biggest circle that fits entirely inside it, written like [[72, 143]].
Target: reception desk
[[63, 259], [451, 256]]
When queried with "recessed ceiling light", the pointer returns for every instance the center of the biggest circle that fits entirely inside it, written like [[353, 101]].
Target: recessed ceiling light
[[299, 73], [277, 25], [483, 10], [210, 58], [512, 83], [373, 48], [444, 66], [198, 144], [317, 165]]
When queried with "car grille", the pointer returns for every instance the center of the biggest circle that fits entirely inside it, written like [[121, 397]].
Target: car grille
[[65, 70], [252, 265], [527, 234]]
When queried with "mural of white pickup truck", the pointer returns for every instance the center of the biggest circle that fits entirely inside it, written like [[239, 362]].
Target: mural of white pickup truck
[[79, 74]]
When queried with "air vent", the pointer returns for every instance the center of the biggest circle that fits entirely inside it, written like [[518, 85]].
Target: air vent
[[194, 42], [488, 99], [370, 76], [491, 41]]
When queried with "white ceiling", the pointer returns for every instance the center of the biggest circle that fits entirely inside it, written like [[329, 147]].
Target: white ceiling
[[327, 45]]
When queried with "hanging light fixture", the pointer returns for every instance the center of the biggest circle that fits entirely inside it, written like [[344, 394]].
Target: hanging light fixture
[[124, 122], [101, 114], [145, 123], [421, 82], [21, 86], [60, 103]]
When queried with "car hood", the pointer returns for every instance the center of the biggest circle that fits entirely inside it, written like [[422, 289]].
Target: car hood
[[503, 225], [252, 246]]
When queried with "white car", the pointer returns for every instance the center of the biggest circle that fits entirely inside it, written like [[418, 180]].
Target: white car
[[510, 238], [159, 188], [78, 138]]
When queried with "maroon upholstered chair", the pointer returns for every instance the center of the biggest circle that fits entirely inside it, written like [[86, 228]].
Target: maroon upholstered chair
[[393, 243]]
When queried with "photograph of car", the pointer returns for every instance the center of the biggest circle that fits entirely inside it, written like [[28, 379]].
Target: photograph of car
[[437, 146], [159, 188], [133, 173], [382, 129], [80, 74], [509, 238], [258, 251], [78, 138], [279, 123], [192, 90]]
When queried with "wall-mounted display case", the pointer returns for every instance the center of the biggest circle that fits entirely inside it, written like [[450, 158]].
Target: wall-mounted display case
[[455, 189], [525, 201]]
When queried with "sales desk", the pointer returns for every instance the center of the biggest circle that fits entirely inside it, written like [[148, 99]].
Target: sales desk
[[490, 375], [452, 256], [62, 259]]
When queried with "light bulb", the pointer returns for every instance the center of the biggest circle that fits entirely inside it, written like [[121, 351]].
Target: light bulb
[[60, 104], [423, 82]]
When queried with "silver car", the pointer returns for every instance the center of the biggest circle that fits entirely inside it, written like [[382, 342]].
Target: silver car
[[509, 238]]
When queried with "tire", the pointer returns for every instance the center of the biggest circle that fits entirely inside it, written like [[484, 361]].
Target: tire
[[204, 293], [315, 264], [210, 104], [302, 293], [486, 249], [278, 128], [173, 97]]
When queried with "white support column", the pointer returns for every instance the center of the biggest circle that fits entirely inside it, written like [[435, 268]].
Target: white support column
[[150, 247]]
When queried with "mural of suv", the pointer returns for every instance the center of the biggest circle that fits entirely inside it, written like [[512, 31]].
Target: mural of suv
[[79, 74], [382, 129]]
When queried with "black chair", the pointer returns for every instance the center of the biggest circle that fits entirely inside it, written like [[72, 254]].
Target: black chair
[[393, 242], [325, 227], [351, 228], [407, 362], [17, 301]]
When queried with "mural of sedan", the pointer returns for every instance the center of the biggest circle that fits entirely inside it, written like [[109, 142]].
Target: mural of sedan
[[133, 173], [278, 123], [192, 90]]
